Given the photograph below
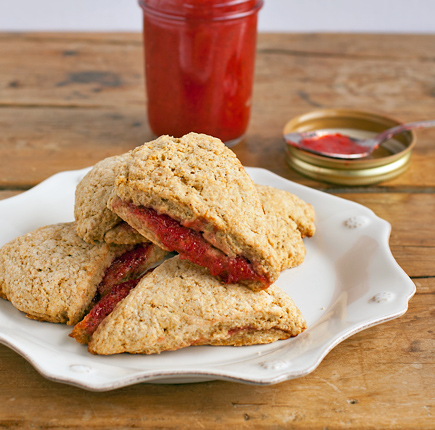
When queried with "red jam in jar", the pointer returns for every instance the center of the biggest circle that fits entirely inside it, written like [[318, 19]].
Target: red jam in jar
[[199, 65]]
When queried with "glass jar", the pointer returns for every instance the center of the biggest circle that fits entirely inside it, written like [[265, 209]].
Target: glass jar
[[199, 65]]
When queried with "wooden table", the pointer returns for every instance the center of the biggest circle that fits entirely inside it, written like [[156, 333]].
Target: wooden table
[[70, 100]]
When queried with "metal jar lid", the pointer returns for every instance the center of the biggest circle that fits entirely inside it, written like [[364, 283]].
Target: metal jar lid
[[388, 161]]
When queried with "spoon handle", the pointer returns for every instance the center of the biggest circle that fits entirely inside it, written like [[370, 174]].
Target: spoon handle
[[387, 134]]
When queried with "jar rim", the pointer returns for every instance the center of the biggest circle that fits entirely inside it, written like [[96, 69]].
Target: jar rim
[[216, 12]]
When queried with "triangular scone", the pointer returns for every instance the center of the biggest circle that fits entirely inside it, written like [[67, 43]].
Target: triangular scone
[[192, 195], [283, 232], [289, 206], [95, 222], [52, 275], [179, 304]]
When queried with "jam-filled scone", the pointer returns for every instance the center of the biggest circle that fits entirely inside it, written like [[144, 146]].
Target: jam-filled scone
[[193, 196], [289, 218], [52, 275], [179, 304]]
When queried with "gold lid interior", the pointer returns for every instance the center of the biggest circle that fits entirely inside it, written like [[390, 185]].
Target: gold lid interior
[[386, 162]]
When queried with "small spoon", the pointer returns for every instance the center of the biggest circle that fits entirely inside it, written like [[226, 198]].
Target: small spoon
[[336, 145]]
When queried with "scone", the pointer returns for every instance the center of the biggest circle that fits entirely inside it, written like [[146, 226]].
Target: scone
[[289, 206], [289, 219], [192, 195], [179, 304], [95, 222], [52, 275]]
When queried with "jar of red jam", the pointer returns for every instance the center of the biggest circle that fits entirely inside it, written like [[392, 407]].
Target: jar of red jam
[[199, 65]]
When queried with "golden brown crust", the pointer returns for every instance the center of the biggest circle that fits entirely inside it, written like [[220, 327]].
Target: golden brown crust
[[199, 182], [281, 209], [179, 305], [95, 222], [51, 274], [289, 206]]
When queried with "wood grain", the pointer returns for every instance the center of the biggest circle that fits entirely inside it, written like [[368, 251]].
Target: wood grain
[[88, 90], [69, 100]]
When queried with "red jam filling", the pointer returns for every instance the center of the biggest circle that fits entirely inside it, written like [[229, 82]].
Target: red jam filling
[[120, 277], [83, 331], [127, 266], [335, 143], [193, 247]]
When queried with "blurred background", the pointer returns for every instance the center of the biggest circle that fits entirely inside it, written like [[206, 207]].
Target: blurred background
[[376, 16]]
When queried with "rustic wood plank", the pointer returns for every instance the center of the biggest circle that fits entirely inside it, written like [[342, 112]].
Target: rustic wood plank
[[329, 72], [294, 74], [36, 143], [73, 71]]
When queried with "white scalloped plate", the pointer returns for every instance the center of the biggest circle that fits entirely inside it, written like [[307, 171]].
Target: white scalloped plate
[[348, 282]]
